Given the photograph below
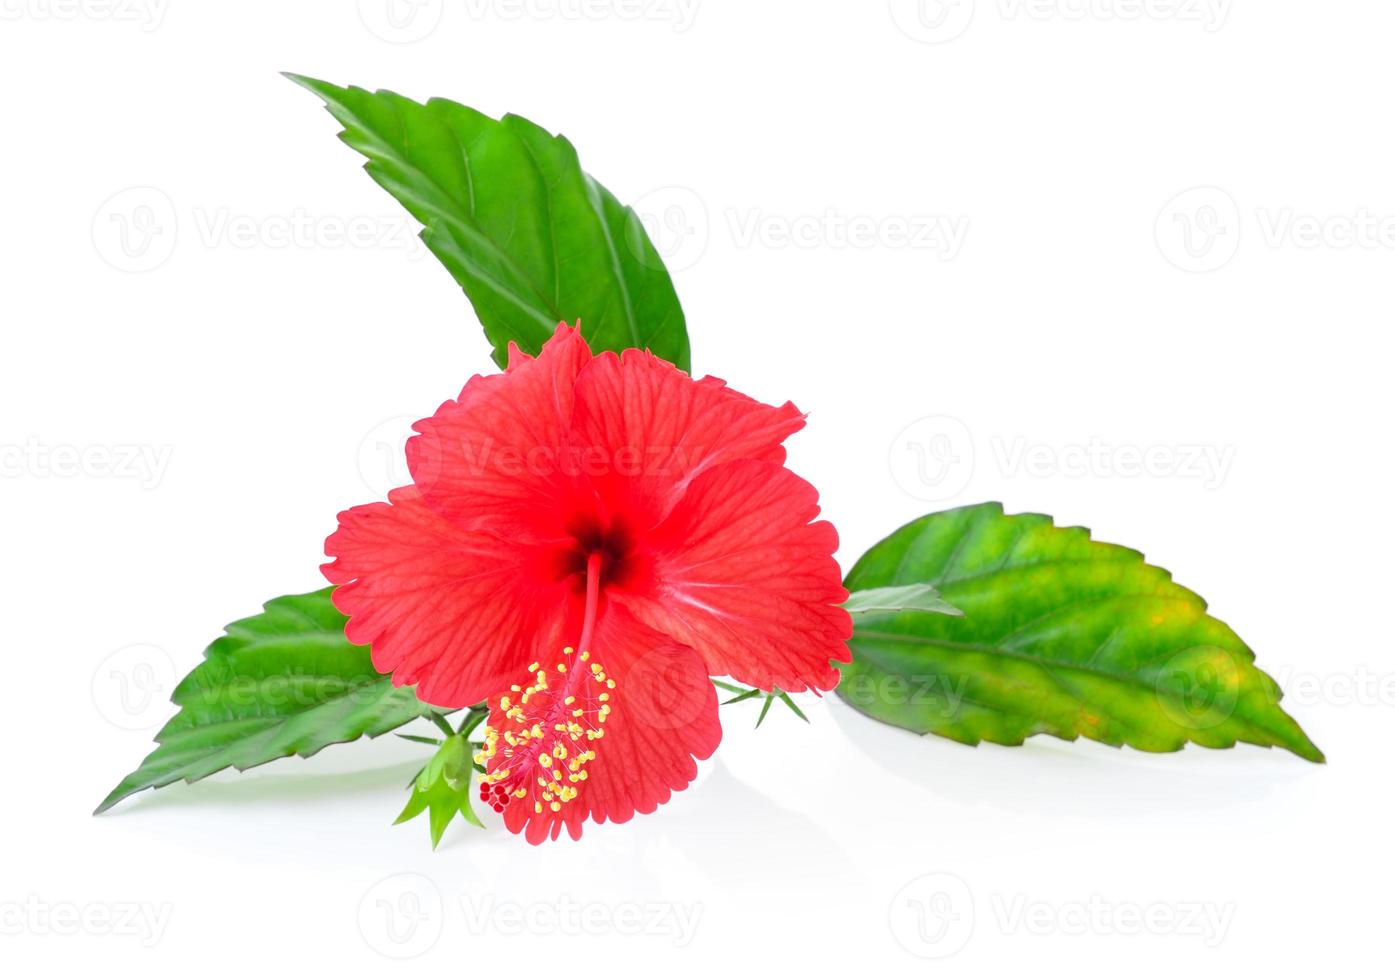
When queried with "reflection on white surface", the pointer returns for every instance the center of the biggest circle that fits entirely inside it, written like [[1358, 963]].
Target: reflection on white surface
[[1050, 775]]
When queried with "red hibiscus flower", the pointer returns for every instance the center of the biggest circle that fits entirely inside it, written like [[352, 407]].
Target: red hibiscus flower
[[584, 542]]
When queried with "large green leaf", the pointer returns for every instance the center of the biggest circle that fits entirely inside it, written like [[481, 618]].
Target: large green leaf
[[1061, 635], [525, 232], [284, 682]]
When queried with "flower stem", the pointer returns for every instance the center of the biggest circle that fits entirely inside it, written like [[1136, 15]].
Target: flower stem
[[472, 719]]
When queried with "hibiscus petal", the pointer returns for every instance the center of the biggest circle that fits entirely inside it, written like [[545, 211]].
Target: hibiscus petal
[[650, 430], [742, 576], [664, 716], [458, 613], [496, 457]]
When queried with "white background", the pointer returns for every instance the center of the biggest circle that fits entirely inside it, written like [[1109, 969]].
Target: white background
[[966, 236]]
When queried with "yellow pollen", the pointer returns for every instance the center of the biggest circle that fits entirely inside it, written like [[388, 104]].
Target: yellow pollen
[[544, 745]]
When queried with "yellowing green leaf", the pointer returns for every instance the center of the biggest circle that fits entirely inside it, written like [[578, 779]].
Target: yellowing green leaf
[[1060, 635]]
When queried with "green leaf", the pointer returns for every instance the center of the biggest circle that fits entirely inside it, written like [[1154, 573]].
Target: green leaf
[[529, 236], [284, 682], [899, 598], [443, 787], [765, 708], [1061, 635]]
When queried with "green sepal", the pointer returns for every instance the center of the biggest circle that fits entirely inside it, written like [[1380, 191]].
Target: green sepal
[[443, 787], [747, 694]]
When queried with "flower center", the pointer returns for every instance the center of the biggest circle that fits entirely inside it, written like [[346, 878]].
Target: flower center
[[545, 742], [610, 545]]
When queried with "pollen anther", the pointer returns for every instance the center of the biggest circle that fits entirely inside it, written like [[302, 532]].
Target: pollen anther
[[542, 752]]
